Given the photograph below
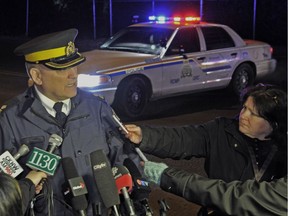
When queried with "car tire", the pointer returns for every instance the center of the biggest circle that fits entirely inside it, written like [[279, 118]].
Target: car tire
[[242, 78], [131, 97]]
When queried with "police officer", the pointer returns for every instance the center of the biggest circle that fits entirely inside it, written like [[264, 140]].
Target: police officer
[[83, 120]]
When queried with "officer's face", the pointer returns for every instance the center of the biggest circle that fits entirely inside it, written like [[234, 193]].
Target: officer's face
[[57, 84], [251, 124]]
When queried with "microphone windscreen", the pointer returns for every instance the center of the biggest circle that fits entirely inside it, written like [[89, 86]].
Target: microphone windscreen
[[124, 181], [131, 166], [54, 142], [78, 203], [69, 168], [104, 178], [54, 138]]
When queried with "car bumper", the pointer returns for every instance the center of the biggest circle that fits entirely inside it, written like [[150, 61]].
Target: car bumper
[[266, 67]]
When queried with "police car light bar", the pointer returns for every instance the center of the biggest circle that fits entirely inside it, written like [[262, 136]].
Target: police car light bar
[[175, 19]]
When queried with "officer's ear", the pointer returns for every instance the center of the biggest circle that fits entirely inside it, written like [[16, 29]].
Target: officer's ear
[[35, 75]]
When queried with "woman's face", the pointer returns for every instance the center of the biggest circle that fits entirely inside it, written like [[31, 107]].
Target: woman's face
[[251, 124]]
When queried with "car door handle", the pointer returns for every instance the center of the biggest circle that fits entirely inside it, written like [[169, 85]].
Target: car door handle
[[201, 58], [234, 54]]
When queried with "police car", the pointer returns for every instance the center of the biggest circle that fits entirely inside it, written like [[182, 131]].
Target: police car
[[171, 56]]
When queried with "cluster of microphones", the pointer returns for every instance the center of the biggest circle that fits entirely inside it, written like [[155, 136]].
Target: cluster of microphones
[[122, 188]]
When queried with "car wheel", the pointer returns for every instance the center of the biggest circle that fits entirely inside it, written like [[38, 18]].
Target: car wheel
[[242, 78], [131, 97]]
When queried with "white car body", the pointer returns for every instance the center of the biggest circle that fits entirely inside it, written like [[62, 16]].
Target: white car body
[[166, 73]]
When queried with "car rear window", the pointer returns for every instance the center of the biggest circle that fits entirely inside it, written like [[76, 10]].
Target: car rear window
[[217, 38]]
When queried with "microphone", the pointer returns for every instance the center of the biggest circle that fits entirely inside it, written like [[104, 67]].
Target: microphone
[[54, 142], [120, 124], [9, 164], [25, 147], [124, 184], [141, 188], [140, 153], [77, 187], [104, 180], [117, 120], [23, 150], [46, 161]]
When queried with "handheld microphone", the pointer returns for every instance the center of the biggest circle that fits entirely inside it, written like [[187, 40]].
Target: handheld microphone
[[9, 164], [25, 147], [117, 120], [46, 161], [120, 124], [104, 180], [23, 150], [77, 186], [124, 184], [141, 189], [54, 142]]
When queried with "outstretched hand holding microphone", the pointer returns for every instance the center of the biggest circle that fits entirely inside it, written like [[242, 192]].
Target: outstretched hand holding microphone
[[134, 133], [152, 170]]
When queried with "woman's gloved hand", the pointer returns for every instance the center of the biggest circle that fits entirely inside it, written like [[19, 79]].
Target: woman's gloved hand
[[153, 171]]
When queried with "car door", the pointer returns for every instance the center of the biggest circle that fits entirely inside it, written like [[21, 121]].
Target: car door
[[181, 73], [218, 59]]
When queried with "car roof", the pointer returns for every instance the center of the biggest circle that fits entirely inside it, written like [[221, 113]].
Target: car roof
[[173, 25]]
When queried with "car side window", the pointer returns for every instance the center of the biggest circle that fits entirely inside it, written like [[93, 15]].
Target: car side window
[[217, 38], [185, 41]]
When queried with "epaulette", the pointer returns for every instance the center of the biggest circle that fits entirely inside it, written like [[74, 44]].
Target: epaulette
[[100, 97]]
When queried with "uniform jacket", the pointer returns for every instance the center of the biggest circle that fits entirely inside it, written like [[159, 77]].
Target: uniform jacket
[[89, 127], [219, 141], [249, 198]]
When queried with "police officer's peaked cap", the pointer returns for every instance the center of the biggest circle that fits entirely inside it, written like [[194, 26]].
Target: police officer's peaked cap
[[55, 50]]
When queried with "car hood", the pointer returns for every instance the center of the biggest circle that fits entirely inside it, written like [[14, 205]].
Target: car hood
[[105, 61]]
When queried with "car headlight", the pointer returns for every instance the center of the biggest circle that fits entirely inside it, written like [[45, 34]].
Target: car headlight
[[92, 81]]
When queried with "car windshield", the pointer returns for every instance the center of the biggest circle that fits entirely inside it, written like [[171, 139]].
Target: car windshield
[[139, 39]]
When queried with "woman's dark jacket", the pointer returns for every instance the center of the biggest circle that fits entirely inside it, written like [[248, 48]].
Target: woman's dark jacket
[[219, 141], [234, 198]]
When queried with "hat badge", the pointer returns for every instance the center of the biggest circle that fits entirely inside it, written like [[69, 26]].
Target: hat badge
[[70, 49]]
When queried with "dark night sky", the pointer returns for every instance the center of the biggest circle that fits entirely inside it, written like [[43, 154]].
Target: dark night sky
[[46, 16]]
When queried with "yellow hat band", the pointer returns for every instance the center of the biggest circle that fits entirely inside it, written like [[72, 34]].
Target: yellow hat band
[[45, 54], [51, 53]]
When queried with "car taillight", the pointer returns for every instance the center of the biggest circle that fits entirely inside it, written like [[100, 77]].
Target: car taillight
[[271, 50]]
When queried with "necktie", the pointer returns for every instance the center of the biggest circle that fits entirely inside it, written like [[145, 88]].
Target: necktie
[[60, 116]]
